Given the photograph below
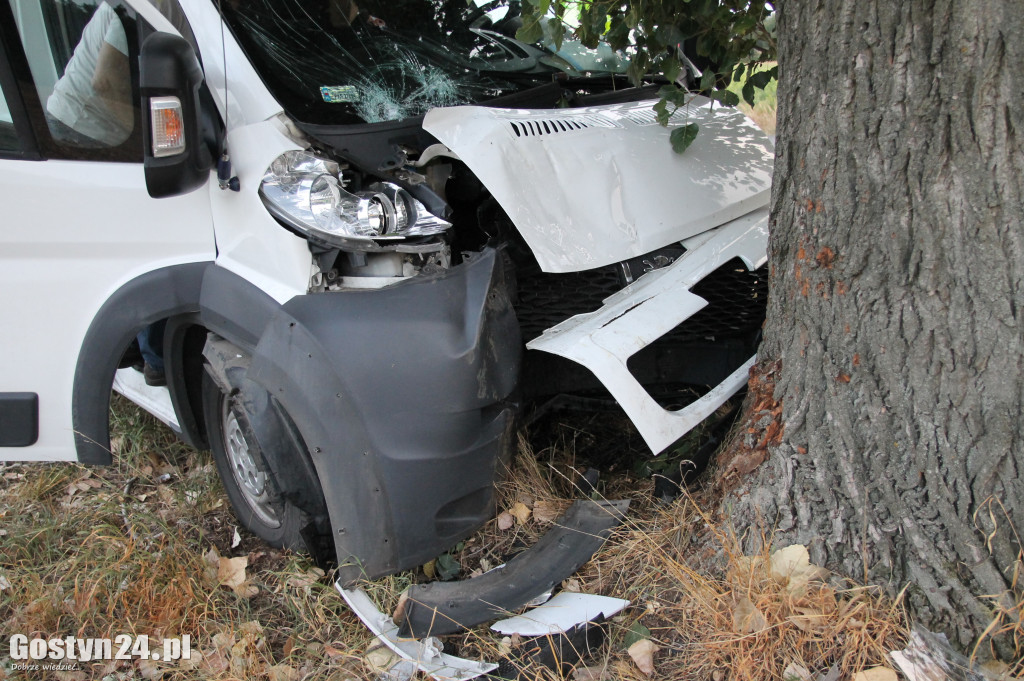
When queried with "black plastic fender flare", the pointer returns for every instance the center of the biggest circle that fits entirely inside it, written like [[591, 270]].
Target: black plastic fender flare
[[442, 608]]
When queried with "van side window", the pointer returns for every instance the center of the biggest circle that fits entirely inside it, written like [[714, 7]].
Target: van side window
[[81, 55], [8, 136]]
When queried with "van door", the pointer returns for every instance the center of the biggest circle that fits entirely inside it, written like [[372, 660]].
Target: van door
[[78, 226]]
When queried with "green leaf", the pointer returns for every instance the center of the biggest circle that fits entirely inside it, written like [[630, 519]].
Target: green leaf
[[448, 567], [543, 6], [556, 32], [673, 95], [637, 632], [707, 81], [671, 68], [761, 79], [531, 31], [726, 97], [683, 136], [748, 92], [661, 109]]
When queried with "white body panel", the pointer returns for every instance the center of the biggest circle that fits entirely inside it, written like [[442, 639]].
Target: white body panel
[[584, 197], [73, 233], [604, 340], [250, 242], [246, 99]]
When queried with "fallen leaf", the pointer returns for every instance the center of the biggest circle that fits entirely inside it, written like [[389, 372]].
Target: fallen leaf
[[150, 670], [71, 676], [505, 521], [213, 664], [591, 674], [399, 614], [331, 651], [792, 564], [380, 659], [246, 589], [231, 571], [572, 585], [637, 632], [875, 674], [746, 618], [165, 494], [545, 511], [5, 583], [223, 639], [521, 512], [236, 538], [191, 662], [795, 672], [642, 653], [282, 672], [309, 578]]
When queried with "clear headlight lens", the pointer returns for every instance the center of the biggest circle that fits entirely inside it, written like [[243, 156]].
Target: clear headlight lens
[[304, 191]]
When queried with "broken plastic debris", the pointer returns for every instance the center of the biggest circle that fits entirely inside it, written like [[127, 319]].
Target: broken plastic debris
[[425, 654], [561, 613]]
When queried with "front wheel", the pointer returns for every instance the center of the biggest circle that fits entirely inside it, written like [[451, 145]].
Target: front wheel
[[249, 482]]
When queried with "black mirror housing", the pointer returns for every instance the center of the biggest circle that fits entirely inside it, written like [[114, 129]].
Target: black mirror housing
[[168, 67]]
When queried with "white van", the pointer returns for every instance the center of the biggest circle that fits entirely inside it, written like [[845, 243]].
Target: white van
[[347, 218]]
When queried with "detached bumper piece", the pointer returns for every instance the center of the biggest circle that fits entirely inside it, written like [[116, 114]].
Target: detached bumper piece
[[426, 654], [635, 317], [442, 608]]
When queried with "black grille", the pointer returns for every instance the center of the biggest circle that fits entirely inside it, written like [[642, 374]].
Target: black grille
[[736, 301], [547, 299]]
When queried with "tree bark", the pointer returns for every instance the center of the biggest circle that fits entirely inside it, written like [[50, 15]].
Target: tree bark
[[894, 321]]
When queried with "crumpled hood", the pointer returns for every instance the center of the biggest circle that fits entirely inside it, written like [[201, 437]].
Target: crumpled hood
[[593, 186]]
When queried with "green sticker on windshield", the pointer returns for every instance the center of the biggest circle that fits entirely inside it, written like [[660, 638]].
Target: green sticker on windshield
[[339, 94]]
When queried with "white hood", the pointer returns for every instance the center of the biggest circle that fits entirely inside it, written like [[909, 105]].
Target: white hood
[[594, 186]]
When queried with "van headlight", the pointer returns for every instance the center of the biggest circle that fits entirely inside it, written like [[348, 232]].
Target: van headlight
[[305, 192]]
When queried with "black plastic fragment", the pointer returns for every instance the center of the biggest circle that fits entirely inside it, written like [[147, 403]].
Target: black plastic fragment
[[558, 652], [441, 608]]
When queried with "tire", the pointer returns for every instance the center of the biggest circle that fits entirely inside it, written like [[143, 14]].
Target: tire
[[248, 480]]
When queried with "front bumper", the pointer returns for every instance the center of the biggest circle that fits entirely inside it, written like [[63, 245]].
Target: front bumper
[[652, 306], [403, 398]]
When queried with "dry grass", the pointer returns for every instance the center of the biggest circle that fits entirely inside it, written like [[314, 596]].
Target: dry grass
[[86, 552]]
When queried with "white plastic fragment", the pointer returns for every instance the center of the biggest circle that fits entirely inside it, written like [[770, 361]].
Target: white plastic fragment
[[561, 613], [426, 654]]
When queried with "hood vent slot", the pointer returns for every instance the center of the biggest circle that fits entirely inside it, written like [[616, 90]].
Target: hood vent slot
[[547, 126]]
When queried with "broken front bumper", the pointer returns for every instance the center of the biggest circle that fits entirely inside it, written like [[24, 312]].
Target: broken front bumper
[[403, 399], [652, 306]]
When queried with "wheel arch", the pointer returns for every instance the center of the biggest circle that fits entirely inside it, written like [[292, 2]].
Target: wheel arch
[[168, 292]]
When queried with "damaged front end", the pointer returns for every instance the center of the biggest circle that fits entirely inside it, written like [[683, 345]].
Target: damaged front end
[[445, 241]]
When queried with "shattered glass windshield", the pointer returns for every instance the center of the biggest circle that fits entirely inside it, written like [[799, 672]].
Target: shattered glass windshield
[[341, 61]]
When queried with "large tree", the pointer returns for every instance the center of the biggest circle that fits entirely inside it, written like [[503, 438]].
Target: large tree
[[894, 331], [886, 430]]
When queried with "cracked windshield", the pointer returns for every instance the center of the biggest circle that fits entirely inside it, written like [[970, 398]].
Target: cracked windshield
[[338, 61]]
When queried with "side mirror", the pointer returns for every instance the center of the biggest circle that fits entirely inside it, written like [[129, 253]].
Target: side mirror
[[177, 158]]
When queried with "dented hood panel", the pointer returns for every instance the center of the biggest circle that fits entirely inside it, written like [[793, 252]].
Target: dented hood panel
[[594, 186]]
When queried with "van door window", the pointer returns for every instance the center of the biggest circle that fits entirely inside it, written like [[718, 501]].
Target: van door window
[[8, 136], [81, 57]]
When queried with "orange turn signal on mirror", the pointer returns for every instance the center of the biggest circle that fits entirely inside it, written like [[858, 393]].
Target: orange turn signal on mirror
[[168, 126]]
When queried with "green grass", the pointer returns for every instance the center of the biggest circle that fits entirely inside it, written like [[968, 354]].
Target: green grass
[[764, 108], [97, 552]]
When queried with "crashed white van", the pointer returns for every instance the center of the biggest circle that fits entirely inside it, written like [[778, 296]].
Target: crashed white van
[[351, 217]]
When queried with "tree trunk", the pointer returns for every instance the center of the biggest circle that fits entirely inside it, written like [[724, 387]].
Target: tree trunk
[[894, 321]]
